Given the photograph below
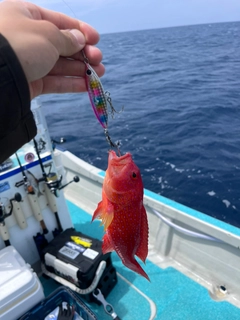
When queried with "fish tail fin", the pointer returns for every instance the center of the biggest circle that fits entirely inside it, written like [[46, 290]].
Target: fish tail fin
[[135, 266]]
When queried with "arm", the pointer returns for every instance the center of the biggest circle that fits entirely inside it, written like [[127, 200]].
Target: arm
[[17, 125], [40, 52]]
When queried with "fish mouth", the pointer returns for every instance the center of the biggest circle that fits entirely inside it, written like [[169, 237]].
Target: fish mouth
[[117, 166], [122, 160], [118, 180]]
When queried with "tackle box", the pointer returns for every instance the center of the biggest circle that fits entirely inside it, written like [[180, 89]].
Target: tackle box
[[75, 257], [20, 288], [48, 309]]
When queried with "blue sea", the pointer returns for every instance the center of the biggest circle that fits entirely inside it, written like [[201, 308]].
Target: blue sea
[[180, 89]]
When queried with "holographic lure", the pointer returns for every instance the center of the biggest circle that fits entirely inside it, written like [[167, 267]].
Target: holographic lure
[[99, 99]]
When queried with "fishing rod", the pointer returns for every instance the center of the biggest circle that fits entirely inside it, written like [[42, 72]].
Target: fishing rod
[[52, 185], [3, 215], [32, 197]]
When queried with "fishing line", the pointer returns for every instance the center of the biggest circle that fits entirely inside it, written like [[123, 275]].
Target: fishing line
[[69, 8]]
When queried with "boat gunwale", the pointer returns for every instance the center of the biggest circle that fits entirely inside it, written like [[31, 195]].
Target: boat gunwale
[[175, 211]]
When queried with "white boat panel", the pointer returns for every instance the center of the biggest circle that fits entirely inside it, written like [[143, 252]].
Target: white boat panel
[[208, 262]]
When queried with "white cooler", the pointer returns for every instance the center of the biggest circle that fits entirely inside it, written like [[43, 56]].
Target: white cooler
[[20, 288]]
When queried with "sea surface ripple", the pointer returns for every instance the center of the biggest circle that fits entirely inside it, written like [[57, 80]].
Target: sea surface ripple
[[180, 88]]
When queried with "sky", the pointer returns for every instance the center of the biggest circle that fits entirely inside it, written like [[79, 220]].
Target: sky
[[109, 16]]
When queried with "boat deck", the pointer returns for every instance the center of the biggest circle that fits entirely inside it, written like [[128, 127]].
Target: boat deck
[[170, 294]]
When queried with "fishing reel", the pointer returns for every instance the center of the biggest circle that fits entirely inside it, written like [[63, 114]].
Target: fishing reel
[[54, 183], [3, 213], [51, 179], [26, 184]]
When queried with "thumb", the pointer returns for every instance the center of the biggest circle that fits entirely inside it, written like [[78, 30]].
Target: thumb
[[72, 42]]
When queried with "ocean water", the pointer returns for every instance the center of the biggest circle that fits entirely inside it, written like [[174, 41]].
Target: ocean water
[[180, 88]]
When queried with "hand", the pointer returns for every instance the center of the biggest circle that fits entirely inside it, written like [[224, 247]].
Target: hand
[[48, 45]]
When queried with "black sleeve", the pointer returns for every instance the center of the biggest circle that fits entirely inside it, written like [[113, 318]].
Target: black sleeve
[[17, 125]]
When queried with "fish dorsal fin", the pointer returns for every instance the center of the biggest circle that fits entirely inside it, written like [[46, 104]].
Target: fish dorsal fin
[[142, 250]]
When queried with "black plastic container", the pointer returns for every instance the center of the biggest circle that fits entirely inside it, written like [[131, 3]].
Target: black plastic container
[[48, 305], [85, 254]]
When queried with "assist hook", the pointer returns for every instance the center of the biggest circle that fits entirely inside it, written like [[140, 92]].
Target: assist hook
[[109, 141]]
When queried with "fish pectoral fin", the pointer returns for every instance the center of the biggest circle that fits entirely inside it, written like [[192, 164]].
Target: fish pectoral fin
[[142, 250], [107, 216], [98, 212], [105, 213], [106, 246]]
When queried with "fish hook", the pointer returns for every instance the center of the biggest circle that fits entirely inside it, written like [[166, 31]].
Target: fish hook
[[109, 100], [112, 144]]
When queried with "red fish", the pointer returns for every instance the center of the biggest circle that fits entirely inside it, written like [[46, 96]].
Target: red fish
[[122, 212]]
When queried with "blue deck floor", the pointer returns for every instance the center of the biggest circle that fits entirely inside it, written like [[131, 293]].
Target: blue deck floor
[[175, 296]]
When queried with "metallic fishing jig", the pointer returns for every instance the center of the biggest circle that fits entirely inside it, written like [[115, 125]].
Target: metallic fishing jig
[[99, 99]]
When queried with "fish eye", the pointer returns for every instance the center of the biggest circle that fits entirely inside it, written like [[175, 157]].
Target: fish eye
[[134, 175]]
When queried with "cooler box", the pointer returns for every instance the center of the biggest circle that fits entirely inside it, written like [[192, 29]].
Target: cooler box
[[20, 288]]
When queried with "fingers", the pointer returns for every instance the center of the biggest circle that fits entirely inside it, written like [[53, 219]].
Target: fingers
[[75, 68], [63, 22], [67, 42], [57, 84], [93, 54], [66, 76], [91, 35]]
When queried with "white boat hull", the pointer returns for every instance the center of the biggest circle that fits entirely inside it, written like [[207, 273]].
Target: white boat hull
[[212, 264]]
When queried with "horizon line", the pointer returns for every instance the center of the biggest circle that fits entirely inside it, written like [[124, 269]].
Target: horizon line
[[177, 26]]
